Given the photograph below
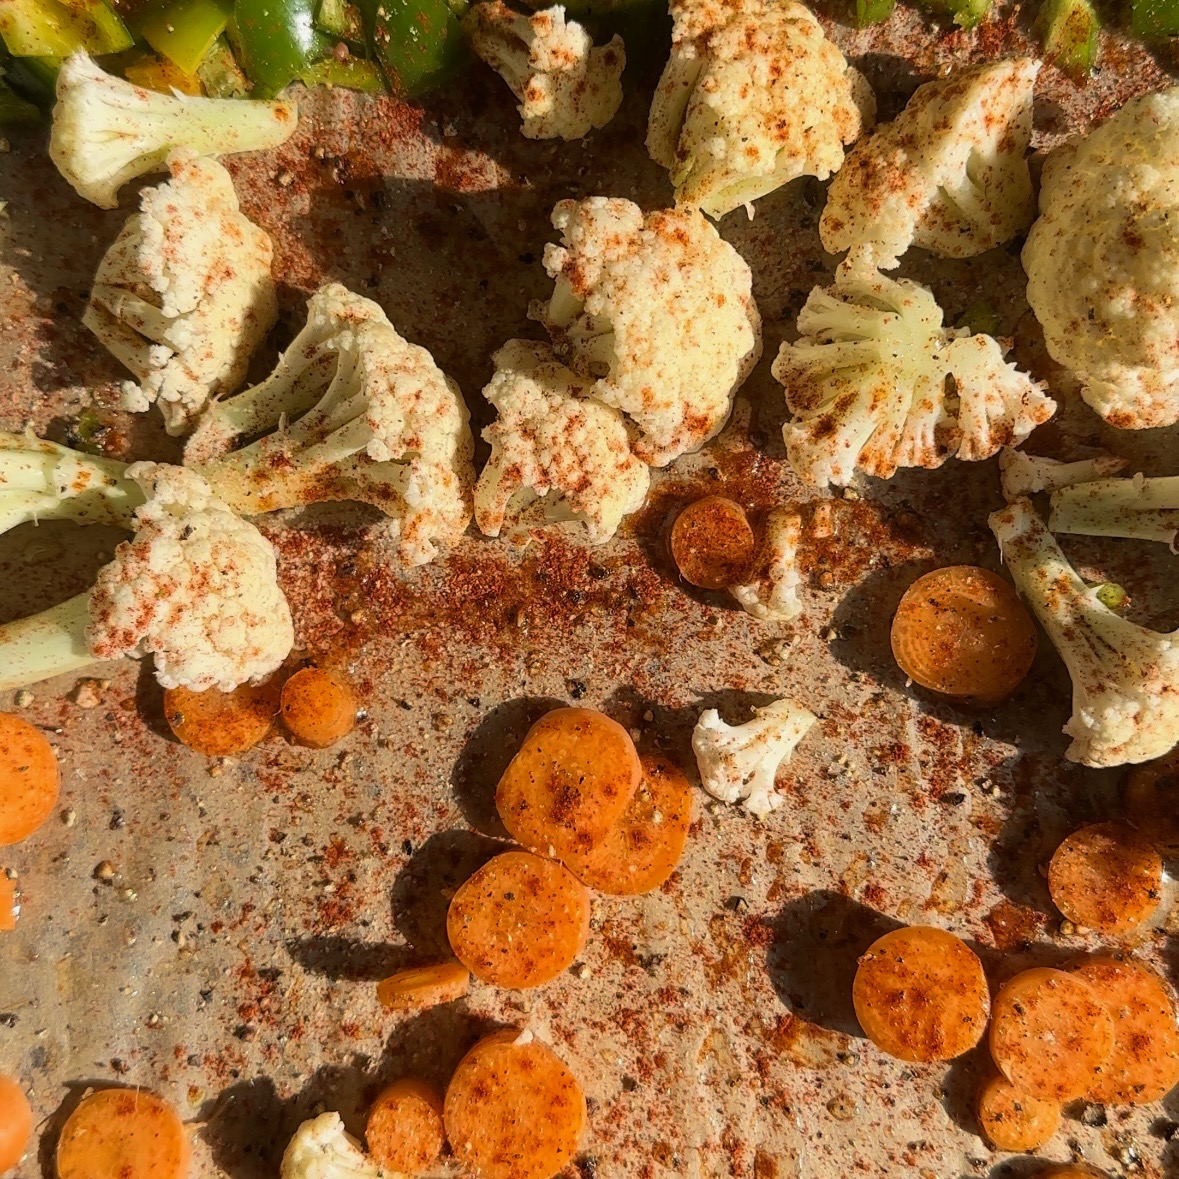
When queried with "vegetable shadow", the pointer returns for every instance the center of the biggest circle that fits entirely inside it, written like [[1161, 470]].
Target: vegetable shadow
[[345, 958]]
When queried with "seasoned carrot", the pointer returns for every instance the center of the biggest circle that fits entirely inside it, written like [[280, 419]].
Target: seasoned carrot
[[422, 987], [1106, 877], [570, 783], [318, 708], [642, 850], [16, 1123], [29, 779], [519, 921], [920, 994], [222, 724], [513, 1109], [1151, 798], [1013, 1120], [712, 543], [1049, 1032], [9, 909], [404, 1131], [1144, 1063], [128, 1133]]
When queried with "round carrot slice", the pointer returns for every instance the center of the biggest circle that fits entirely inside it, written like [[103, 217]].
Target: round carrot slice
[[1144, 1063], [519, 921], [963, 632], [30, 779], [16, 1123], [222, 724], [1106, 877], [920, 994], [1013, 1120], [642, 851], [123, 1134], [404, 1131], [319, 709], [513, 1109], [712, 543], [1049, 1031], [422, 987], [570, 783], [1151, 798]]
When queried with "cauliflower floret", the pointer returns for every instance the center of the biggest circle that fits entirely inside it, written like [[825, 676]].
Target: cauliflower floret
[[566, 87], [771, 594], [658, 312], [196, 587], [550, 440], [107, 131], [184, 295], [1103, 262], [1125, 677], [1136, 508], [738, 763], [1025, 474], [322, 1149], [867, 384], [753, 96], [949, 174]]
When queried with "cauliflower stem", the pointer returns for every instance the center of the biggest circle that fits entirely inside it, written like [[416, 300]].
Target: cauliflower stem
[[1026, 474], [1137, 508], [45, 645]]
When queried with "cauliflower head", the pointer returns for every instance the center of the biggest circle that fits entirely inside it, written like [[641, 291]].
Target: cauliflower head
[[551, 441], [196, 587], [184, 294], [739, 763], [771, 594], [566, 87], [753, 96], [1102, 262], [106, 131], [322, 1149], [949, 174], [868, 384], [658, 313]]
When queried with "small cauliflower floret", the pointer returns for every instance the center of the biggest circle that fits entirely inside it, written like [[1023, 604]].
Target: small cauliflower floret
[[1125, 677], [1136, 508], [107, 131], [658, 313], [566, 87], [753, 96], [550, 441], [322, 1149], [771, 594], [184, 295], [1102, 262], [868, 384], [1026, 474], [949, 174], [739, 763]]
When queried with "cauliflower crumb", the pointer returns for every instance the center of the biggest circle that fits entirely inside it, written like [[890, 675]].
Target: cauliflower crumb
[[550, 440], [658, 313], [566, 87], [322, 1149], [771, 594], [753, 96]]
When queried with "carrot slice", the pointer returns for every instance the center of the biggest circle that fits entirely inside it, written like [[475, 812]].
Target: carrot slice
[[16, 1123], [1144, 1063], [920, 994], [1150, 795], [1013, 1120], [1106, 877], [222, 724], [712, 544], [30, 779], [128, 1133], [1049, 1031], [643, 849], [318, 708], [9, 909], [513, 1109], [519, 921], [404, 1131], [422, 987], [570, 783]]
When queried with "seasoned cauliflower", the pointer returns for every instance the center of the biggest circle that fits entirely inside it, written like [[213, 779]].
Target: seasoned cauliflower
[[1025, 474], [1103, 262], [949, 174], [868, 385], [771, 594], [753, 96], [107, 131], [184, 295], [322, 1149], [658, 313], [738, 763], [566, 87], [1136, 508], [551, 441]]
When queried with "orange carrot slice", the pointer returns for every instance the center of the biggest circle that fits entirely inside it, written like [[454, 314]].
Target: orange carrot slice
[[712, 544], [422, 987], [128, 1133], [1013, 1120], [30, 779], [319, 709], [404, 1131], [222, 724], [16, 1123]]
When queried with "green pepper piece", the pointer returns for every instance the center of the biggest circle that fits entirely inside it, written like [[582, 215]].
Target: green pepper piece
[[980, 317], [50, 28], [14, 109], [220, 74], [1154, 20], [353, 74], [276, 41], [341, 20], [34, 78], [1070, 30], [418, 43], [966, 14], [873, 12], [184, 31]]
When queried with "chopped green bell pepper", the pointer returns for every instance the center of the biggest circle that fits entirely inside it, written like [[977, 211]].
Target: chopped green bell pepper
[[966, 14], [1070, 30], [51, 28], [220, 74], [14, 109], [34, 78], [980, 317], [353, 74], [184, 31], [276, 42], [1153, 20], [873, 12], [341, 20], [417, 43]]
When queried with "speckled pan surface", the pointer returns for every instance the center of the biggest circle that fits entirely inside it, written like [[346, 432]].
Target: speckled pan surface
[[231, 962]]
